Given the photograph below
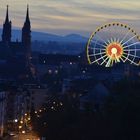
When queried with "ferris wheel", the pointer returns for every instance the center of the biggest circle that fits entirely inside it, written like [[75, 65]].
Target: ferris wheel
[[114, 43]]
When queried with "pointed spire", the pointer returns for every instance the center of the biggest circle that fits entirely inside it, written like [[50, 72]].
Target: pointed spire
[[7, 15], [27, 14], [26, 34], [6, 34]]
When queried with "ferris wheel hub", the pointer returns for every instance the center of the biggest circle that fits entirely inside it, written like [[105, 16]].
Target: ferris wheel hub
[[114, 51]]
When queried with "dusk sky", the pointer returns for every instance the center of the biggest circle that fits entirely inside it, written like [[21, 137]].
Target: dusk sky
[[72, 16]]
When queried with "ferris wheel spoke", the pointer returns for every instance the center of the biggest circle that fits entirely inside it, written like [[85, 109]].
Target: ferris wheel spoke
[[97, 49], [112, 40], [131, 50], [99, 59], [108, 41], [109, 61], [115, 39], [97, 54], [131, 45], [132, 55], [122, 59], [102, 39], [125, 36], [112, 31], [132, 62], [104, 60], [97, 43], [117, 59], [129, 40]]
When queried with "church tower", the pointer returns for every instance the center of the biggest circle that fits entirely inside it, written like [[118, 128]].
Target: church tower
[[6, 34], [26, 35]]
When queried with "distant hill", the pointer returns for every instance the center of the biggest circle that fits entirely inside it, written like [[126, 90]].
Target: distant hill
[[46, 37]]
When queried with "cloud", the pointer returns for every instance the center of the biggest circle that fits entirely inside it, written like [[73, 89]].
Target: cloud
[[66, 16]]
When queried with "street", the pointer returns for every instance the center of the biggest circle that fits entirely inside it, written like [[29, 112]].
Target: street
[[26, 136]]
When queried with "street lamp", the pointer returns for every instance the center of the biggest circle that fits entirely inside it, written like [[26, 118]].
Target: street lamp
[[20, 126], [15, 120], [23, 132]]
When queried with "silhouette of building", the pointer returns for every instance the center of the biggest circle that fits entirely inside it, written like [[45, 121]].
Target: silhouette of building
[[6, 34], [15, 56], [26, 35]]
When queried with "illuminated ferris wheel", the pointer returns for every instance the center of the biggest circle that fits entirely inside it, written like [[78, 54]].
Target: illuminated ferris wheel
[[114, 43]]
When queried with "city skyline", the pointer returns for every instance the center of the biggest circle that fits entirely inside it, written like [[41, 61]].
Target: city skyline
[[76, 16]]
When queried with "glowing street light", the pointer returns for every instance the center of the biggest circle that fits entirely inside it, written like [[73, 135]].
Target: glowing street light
[[15, 120], [29, 119], [20, 127], [23, 132]]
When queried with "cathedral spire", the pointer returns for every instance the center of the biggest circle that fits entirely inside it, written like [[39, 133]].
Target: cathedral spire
[[27, 14], [26, 34], [7, 15], [6, 34]]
